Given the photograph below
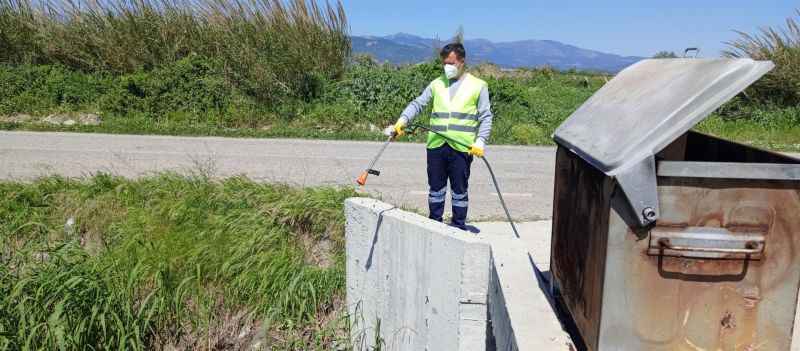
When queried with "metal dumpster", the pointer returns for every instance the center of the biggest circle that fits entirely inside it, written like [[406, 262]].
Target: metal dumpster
[[668, 239]]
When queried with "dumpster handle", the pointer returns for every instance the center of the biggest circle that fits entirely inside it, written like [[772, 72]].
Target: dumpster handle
[[752, 247], [688, 50]]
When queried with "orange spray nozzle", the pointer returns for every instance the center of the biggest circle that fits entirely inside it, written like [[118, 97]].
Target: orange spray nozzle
[[362, 179]]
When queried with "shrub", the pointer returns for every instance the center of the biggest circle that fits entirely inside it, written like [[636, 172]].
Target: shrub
[[381, 92], [192, 84], [665, 54], [38, 89], [527, 134]]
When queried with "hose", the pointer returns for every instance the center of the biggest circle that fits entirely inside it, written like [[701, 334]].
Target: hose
[[488, 166]]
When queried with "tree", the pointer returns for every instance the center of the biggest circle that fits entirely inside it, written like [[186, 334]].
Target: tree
[[665, 54], [458, 37]]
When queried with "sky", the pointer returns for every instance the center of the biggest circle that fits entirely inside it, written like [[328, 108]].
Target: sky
[[624, 27]]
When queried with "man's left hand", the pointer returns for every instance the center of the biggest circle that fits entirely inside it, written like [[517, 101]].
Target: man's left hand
[[476, 149]]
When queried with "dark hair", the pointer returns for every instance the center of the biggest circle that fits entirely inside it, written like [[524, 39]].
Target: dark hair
[[458, 48]]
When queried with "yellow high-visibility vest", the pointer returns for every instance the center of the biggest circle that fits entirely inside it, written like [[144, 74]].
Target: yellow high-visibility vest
[[457, 118]]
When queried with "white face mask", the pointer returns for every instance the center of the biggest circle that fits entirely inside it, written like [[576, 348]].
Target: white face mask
[[450, 71]]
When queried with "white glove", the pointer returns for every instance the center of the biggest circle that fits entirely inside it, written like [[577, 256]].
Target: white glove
[[476, 149], [397, 128]]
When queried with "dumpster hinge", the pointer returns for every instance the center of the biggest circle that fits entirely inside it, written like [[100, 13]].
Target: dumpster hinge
[[638, 182]]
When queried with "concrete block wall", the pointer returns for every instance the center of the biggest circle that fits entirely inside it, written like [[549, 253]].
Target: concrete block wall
[[417, 284]]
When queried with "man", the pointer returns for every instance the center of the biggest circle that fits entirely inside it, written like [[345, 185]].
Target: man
[[462, 112]]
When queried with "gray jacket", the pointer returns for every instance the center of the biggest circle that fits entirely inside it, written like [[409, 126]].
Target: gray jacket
[[484, 109]]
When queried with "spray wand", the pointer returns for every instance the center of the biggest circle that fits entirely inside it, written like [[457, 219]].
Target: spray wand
[[362, 179]]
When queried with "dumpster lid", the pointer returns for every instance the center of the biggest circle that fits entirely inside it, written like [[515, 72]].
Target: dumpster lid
[[650, 104]]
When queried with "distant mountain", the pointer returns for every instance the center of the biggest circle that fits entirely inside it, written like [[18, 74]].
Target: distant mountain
[[384, 49], [405, 48]]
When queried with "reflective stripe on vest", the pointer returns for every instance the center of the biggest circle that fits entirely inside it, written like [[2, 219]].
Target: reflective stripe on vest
[[456, 118], [456, 115], [457, 128]]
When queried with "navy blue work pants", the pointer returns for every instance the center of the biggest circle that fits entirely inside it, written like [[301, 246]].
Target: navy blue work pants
[[446, 163]]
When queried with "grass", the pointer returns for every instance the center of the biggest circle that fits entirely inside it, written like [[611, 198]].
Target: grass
[[271, 49], [190, 97], [765, 126], [780, 45], [164, 261], [240, 71], [194, 263], [272, 68]]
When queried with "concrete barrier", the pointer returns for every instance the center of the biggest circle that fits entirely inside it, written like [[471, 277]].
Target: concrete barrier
[[520, 306], [414, 284]]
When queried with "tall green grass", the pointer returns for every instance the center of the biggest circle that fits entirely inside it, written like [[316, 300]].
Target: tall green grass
[[770, 127], [781, 45], [270, 49], [169, 261]]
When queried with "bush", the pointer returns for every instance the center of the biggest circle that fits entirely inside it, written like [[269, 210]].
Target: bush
[[781, 46], [192, 84], [39, 89], [380, 92], [527, 134], [665, 54], [507, 92]]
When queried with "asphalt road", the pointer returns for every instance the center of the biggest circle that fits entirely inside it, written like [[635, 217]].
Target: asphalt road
[[525, 173]]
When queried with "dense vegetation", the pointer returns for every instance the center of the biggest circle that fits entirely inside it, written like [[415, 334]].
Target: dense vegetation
[[270, 68], [194, 263], [170, 261], [782, 46], [270, 49], [192, 97]]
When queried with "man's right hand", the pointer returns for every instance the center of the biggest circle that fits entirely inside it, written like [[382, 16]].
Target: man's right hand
[[399, 127]]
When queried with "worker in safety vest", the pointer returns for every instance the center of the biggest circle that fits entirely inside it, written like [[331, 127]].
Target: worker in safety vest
[[462, 112]]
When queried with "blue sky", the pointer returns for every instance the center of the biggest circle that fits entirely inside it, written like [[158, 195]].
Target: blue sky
[[622, 27]]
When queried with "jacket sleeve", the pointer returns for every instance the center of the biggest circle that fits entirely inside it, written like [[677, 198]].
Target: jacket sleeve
[[416, 106], [484, 116]]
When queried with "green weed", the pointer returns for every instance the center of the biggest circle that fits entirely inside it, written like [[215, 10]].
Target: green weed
[[169, 260]]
